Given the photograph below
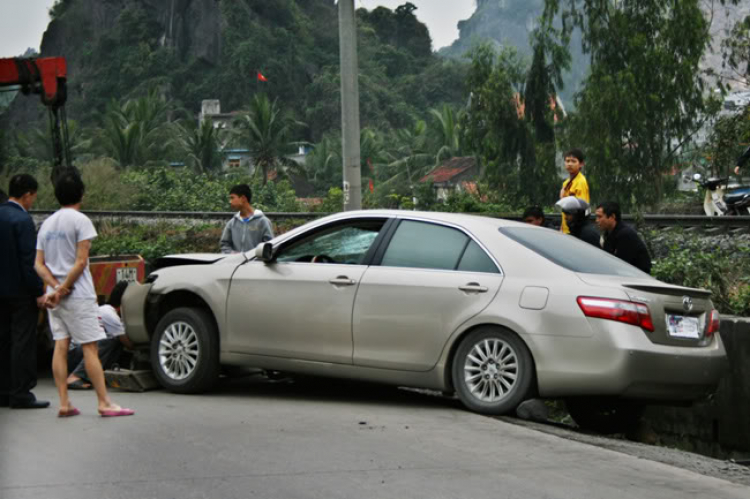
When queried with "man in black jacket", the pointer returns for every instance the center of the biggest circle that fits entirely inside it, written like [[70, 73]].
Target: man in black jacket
[[621, 240], [21, 293]]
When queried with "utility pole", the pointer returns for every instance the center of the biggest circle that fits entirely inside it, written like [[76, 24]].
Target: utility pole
[[350, 105]]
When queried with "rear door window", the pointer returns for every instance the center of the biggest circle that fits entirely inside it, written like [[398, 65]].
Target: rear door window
[[476, 260], [570, 252]]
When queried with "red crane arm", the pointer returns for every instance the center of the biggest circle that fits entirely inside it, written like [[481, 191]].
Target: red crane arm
[[45, 76]]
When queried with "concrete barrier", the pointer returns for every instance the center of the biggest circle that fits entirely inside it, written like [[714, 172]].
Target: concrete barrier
[[720, 425]]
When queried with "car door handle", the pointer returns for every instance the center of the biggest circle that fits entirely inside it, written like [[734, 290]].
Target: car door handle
[[342, 280], [473, 287]]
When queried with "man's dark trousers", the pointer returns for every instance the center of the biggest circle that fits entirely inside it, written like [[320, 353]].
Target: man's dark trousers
[[18, 319]]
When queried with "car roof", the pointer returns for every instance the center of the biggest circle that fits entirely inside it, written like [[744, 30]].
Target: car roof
[[462, 219]]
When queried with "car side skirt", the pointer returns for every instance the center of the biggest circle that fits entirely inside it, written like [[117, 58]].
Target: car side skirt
[[432, 379]]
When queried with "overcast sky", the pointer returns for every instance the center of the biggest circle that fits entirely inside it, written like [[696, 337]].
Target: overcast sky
[[22, 22]]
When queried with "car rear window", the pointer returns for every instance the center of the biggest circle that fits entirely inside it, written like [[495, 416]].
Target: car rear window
[[570, 252]]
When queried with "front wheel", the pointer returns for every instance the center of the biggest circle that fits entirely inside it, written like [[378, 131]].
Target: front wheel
[[185, 351], [492, 371]]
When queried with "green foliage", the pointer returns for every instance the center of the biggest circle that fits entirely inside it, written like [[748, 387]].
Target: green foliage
[[136, 131], [723, 269], [631, 119], [516, 148], [333, 201], [200, 143], [266, 131], [181, 189], [736, 48], [104, 188], [726, 142]]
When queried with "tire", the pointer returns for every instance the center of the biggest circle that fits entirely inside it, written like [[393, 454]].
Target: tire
[[185, 351], [501, 355], [604, 415]]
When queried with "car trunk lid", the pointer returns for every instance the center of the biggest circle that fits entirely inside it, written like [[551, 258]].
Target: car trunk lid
[[681, 315]]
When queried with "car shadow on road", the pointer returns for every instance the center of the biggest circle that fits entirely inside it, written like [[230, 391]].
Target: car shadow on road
[[316, 389]]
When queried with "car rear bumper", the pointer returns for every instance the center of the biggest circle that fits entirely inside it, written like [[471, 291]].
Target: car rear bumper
[[620, 360]]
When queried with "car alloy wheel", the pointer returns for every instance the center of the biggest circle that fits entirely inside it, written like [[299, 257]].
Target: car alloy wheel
[[178, 350], [492, 370], [185, 350]]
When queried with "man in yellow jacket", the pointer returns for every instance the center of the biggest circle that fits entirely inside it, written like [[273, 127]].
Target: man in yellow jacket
[[576, 185]]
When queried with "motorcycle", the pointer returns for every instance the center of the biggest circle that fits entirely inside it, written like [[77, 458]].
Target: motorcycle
[[721, 199]]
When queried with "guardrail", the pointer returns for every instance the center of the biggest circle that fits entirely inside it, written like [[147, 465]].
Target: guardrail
[[686, 221]]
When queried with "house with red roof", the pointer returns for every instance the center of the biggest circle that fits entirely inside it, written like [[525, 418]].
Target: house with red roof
[[453, 175]]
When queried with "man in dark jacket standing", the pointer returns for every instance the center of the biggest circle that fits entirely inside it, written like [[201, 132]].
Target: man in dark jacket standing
[[621, 240], [21, 293]]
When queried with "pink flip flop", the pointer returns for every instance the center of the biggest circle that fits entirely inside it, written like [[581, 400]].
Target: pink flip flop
[[113, 413], [69, 413]]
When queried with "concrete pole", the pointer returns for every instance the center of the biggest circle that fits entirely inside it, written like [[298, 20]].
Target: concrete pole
[[350, 105]]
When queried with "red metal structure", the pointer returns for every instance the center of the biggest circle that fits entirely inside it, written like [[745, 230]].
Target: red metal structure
[[47, 77]]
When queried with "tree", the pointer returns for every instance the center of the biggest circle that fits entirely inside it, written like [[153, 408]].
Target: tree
[[494, 123], [137, 131], [736, 49], [644, 98], [411, 154], [447, 132], [266, 132], [201, 144]]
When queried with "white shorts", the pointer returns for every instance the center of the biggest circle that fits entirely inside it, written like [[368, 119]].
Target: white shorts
[[76, 318]]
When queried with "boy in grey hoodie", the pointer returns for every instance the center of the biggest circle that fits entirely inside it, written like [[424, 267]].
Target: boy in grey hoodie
[[248, 227]]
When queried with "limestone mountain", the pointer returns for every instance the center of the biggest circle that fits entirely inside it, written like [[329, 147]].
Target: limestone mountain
[[193, 50]]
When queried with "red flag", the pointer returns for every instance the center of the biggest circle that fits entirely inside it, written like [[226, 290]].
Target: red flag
[[261, 77], [372, 187]]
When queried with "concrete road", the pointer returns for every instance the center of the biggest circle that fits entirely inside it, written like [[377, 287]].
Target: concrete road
[[314, 439]]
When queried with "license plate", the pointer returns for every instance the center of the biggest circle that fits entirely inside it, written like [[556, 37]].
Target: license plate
[[129, 274], [679, 326]]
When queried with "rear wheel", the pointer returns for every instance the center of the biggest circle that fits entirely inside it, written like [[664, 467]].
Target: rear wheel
[[604, 415], [492, 371], [185, 351]]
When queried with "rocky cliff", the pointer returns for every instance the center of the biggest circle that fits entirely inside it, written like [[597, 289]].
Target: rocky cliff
[[80, 28]]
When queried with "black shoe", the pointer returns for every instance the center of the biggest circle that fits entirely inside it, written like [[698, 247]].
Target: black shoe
[[34, 404], [4, 401]]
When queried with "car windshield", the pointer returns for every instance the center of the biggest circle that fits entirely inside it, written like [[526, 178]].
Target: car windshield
[[570, 252]]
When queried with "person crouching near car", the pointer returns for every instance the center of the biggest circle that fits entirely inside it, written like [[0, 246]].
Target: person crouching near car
[[621, 240], [248, 227], [62, 261], [110, 348], [534, 215], [576, 215]]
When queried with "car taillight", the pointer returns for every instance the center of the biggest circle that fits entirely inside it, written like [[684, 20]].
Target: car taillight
[[713, 323], [628, 312]]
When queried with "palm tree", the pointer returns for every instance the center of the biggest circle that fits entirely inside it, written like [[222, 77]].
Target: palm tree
[[410, 152], [137, 130], [266, 131], [200, 144], [36, 143], [324, 162], [447, 132]]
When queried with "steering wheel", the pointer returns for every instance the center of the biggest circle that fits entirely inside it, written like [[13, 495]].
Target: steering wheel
[[323, 259]]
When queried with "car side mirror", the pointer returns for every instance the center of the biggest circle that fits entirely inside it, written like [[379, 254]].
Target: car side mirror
[[264, 252]]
